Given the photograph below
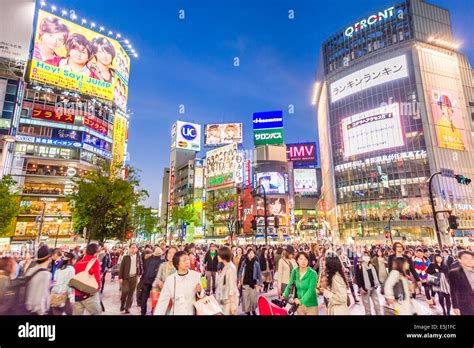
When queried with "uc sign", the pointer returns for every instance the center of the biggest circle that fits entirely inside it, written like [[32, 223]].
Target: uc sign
[[189, 132]]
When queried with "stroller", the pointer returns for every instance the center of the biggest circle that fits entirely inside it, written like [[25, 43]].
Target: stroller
[[275, 307]]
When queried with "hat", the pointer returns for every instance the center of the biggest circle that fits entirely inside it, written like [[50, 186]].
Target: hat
[[44, 252], [290, 249], [158, 251]]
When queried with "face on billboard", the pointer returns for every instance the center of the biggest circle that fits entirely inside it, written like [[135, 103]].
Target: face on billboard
[[372, 130], [275, 206], [188, 136], [273, 182], [70, 56], [301, 153], [305, 180], [226, 133], [448, 120]]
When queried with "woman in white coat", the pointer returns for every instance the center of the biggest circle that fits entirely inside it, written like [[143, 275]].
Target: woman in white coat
[[397, 288], [336, 290], [181, 288]]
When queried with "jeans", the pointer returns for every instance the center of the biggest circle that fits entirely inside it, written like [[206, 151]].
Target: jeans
[[91, 305]]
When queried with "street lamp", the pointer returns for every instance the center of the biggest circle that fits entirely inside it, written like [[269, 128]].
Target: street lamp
[[255, 194], [60, 221]]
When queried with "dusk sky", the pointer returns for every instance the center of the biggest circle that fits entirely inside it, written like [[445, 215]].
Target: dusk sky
[[191, 62]]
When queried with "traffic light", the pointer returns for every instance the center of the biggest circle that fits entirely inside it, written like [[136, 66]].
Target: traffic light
[[453, 222], [254, 224], [462, 179], [277, 222], [129, 235], [386, 235]]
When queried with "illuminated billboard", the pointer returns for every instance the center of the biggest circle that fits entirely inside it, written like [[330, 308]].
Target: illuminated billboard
[[224, 166], [71, 56], [272, 182], [220, 134], [373, 75], [276, 206], [304, 180], [448, 121], [118, 147], [186, 136], [302, 153], [372, 130]]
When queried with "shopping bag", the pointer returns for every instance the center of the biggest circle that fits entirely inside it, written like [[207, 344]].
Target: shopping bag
[[155, 295], [208, 306]]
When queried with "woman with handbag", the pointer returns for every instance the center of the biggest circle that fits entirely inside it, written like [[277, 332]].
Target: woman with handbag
[[62, 295], [438, 278], [266, 266], [397, 288], [250, 278], [180, 288], [302, 286], [336, 288], [227, 292], [286, 265], [164, 271]]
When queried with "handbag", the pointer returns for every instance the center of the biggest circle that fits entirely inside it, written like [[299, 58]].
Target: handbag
[[434, 279], [58, 300], [208, 306], [84, 281], [155, 295], [292, 291]]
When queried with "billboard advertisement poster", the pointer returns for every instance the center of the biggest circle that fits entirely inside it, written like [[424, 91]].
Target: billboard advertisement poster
[[276, 206], [187, 136], [372, 130], [376, 74], [248, 210], [301, 153], [268, 120], [118, 147], [448, 120], [304, 180], [221, 134], [94, 141], [46, 141], [223, 161], [96, 124], [272, 182], [16, 18], [67, 134], [220, 181], [268, 137], [100, 69], [51, 115]]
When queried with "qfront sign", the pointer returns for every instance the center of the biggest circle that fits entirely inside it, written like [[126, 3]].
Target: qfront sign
[[301, 153], [188, 136], [371, 20], [268, 136]]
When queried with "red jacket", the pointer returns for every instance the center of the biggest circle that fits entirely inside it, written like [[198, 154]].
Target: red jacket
[[95, 270]]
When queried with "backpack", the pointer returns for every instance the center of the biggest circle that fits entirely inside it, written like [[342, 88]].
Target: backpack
[[14, 299]]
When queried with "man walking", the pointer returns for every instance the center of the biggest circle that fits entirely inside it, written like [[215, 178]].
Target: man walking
[[368, 282], [131, 268], [461, 281], [210, 265]]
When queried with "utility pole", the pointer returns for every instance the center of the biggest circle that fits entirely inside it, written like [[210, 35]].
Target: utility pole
[[264, 210], [435, 213], [166, 229]]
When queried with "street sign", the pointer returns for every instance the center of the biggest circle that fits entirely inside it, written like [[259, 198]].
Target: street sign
[[449, 173]]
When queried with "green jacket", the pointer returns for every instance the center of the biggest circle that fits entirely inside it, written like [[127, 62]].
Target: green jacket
[[305, 288]]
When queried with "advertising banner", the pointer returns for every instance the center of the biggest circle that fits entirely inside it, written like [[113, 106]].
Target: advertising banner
[[248, 210], [304, 180], [67, 134], [96, 124], [224, 166], [372, 130], [371, 76], [95, 141], [220, 181], [118, 147], [51, 115], [268, 137], [448, 120], [71, 56], [16, 19], [272, 182], [221, 134], [276, 206], [268, 120], [187, 136], [301, 153], [52, 142]]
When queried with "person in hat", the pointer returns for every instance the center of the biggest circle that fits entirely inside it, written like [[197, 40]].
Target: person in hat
[[285, 266], [37, 292], [150, 270]]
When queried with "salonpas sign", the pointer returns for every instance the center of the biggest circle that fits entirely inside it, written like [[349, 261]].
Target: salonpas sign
[[268, 136]]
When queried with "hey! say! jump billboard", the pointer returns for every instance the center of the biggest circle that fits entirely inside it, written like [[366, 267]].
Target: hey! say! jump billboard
[[73, 57]]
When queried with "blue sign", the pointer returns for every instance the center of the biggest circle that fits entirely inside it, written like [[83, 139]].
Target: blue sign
[[268, 120], [189, 132], [199, 162], [67, 134], [94, 141], [44, 141]]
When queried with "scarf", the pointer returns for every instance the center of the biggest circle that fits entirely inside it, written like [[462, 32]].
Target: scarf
[[365, 274], [421, 264]]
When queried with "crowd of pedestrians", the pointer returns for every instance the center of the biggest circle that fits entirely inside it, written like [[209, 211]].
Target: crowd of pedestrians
[[198, 279]]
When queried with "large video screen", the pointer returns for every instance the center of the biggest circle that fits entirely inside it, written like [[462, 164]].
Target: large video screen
[[221, 134], [71, 56], [448, 120], [305, 181], [272, 182], [372, 130]]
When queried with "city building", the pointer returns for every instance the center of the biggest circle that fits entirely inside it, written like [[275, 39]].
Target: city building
[[394, 101]]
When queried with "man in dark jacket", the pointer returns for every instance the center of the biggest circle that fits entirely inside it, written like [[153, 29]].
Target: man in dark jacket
[[398, 249], [210, 265], [461, 281], [150, 270], [448, 259], [131, 268], [105, 264]]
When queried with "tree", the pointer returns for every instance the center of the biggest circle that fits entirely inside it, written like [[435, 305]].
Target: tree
[[184, 215], [222, 210], [104, 204], [144, 221], [8, 203]]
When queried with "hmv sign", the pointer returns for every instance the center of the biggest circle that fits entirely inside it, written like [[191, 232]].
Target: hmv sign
[[301, 153]]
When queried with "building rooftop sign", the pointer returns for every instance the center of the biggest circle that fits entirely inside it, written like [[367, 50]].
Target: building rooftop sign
[[382, 15]]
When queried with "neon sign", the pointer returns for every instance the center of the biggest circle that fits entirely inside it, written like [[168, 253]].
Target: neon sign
[[369, 21]]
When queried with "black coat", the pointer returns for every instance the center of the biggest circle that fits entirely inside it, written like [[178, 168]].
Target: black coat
[[263, 264], [150, 269], [415, 275], [462, 294], [211, 263]]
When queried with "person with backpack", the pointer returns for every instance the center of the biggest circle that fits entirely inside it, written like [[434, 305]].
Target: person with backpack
[[37, 284], [62, 295], [88, 301]]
